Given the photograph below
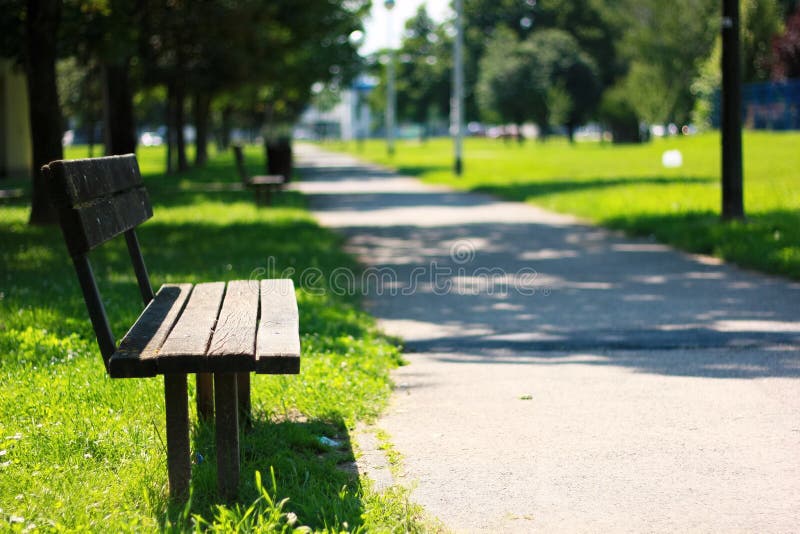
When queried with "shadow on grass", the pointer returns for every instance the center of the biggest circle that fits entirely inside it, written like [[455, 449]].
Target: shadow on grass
[[40, 290], [524, 191], [319, 480], [767, 241]]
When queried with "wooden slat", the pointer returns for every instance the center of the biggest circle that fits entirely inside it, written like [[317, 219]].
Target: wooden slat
[[278, 343], [94, 223], [137, 352], [179, 463], [234, 343], [268, 179], [226, 417], [82, 180], [186, 346]]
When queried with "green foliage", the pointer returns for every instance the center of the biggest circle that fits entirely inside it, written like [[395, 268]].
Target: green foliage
[[546, 78], [666, 43], [512, 86], [573, 85], [787, 49], [594, 24], [82, 452], [761, 22], [424, 70], [617, 114], [626, 187]]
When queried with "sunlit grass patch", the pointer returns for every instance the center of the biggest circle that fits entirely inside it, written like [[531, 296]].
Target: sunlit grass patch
[[81, 452]]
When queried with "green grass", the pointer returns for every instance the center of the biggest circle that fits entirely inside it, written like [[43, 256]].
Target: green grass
[[626, 187], [82, 452]]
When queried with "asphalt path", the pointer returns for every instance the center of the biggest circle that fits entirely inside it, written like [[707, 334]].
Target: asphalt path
[[564, 377]]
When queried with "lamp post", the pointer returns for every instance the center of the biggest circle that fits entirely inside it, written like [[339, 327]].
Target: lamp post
[[457, 98], [732, 197], [390, 93]]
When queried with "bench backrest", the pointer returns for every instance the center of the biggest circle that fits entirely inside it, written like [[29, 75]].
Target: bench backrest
[[98, 199], [240, 166]]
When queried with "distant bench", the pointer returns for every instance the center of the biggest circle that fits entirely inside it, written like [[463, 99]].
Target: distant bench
[[222, 332], [263, 186]]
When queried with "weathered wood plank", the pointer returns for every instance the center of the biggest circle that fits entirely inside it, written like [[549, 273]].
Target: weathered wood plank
[[278, 338], [267, 179], [227, 434], [234, 343], [179, 465], [82, 180], [186, 346], [137, 352], [92, 224]]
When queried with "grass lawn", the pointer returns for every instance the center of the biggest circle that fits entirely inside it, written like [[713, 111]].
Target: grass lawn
[[82, 452], [626, 187]]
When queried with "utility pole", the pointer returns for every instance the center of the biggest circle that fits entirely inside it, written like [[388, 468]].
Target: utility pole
[[457, 98], [732, 181], [390, 93]]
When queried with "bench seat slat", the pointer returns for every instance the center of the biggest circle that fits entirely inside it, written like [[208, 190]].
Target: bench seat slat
[[278, 343], [137, 352], [269, 179], [233, 345], [186, 346]]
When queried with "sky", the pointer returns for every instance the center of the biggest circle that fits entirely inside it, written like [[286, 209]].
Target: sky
[[376, 26]]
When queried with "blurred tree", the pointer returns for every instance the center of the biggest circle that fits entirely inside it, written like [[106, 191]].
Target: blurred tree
[[596, 25], [617, 114], [666, 43], [513, 84], [29, 32], [103, 33], [571, 76], [761, 23], [423, 78], [787, 50], [547, 79], [80, 94]]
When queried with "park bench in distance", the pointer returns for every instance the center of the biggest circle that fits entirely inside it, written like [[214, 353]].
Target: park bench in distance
[[263, 186], [219, 331]]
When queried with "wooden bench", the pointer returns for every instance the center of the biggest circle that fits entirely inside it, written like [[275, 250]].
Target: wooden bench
[[263, 186], [222, 332]]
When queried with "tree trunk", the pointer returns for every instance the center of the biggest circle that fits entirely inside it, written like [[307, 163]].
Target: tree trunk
[[170, 132], [201, 107], [120, 129], [225, 128], [175, 101], [180, 122], [90, 138], [571, 133], [41, 25]]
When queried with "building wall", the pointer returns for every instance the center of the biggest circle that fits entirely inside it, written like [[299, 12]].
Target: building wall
[[15, 133]]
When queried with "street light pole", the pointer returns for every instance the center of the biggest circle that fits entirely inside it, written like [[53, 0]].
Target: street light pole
[[390, 92], [732, 194], [458, 89]]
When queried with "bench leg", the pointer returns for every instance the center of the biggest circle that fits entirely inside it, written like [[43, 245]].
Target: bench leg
[[205, 395], [179, 465], [227, 434], [243, 393]]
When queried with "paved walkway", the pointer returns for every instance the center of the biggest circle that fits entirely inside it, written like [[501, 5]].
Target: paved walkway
[[565, 378]]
